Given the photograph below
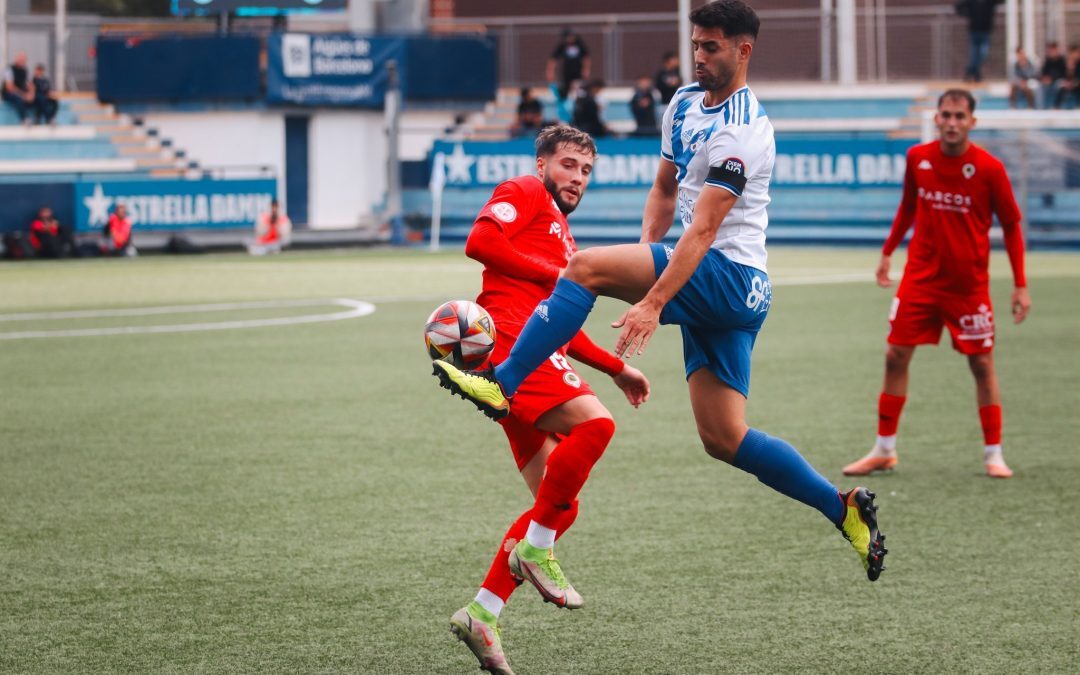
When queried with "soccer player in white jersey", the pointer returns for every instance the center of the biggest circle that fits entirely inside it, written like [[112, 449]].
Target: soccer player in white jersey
[[719, 150]]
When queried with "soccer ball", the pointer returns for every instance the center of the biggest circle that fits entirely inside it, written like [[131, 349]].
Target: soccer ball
[[460, 332]]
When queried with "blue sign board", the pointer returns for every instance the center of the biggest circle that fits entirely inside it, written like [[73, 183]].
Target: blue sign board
[[330, 69], [633, 162], [174, 204]]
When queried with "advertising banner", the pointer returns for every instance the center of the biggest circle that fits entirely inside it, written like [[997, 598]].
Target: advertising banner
[[217, 6], [329, 69], [174, 204], [632, 162]]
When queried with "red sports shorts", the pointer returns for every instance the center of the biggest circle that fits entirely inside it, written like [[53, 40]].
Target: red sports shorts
[[555, 382], [917, 319]]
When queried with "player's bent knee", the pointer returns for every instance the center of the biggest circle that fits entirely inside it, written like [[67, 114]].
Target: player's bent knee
[[722, 446], [582, 268], [897, 358]]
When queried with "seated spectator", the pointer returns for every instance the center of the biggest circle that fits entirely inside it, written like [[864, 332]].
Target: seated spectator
[[1024, 81], [1053, 73], [668, 78], [18, 89], [49, 238], [45, 103], [117, 234], [273, 231], [530, 115], [643, 106], [587, 115], [1069, 92]]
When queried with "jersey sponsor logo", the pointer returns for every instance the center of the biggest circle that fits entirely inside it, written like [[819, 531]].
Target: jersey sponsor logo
[[556, 229], [504, 211], [925, 164], [968, 170], [760, 296], [697, 140], [977, 326], [946, 201]]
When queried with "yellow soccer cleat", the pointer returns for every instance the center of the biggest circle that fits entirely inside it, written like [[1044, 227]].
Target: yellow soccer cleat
[[859, 526], [477, 386], [483, 639]]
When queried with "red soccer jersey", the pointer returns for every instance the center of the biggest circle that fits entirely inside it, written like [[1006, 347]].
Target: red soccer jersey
[[951, 201], [526, 213]]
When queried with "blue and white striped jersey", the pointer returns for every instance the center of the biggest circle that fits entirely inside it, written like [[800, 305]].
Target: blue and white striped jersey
[[730, 146]]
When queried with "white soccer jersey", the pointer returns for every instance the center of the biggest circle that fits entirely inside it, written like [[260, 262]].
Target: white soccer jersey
[[732, 147]]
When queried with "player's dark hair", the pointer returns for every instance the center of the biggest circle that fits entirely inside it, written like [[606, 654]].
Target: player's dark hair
[[551, 138], [958, 95], [734, 17]]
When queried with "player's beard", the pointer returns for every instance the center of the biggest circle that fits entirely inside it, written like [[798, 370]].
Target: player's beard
[[553, 190], [715, 82]]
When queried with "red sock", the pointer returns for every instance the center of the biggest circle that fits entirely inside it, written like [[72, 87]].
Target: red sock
[[990, 417], [889, 407], [568, 468], [499, 580]]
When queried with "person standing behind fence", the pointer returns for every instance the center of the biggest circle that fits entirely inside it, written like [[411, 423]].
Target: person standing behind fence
[[45, 104], [573, 56], [980, 17], [1024, 81], [18, 89], [117, 234], [643, 107], [668, 79], [587, 113]]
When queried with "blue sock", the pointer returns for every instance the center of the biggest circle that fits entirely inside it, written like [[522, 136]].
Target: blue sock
[[782, 468], [554, 322]]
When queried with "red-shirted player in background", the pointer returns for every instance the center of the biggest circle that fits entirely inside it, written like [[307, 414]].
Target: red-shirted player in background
[[952, 188], [557, 428]]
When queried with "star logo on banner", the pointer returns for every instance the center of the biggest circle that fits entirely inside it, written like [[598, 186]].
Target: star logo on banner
[[99, 205], [458, 166]]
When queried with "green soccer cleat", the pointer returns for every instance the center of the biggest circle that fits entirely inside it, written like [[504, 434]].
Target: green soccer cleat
[[478, 386], [859, 526], [482, 637], [541, 568]]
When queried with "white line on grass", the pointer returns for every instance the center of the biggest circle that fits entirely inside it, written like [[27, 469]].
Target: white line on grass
[[356, 308]]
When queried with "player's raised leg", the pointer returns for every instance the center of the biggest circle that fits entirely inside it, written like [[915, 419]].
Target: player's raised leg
[[882, 457], [625, 272], [720, 412], [988, 395], [587, 428]]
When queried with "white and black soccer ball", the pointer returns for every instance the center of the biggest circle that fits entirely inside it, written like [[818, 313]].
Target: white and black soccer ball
[[460, 332]]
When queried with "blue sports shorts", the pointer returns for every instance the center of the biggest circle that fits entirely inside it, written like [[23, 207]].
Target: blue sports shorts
[[720, 310]]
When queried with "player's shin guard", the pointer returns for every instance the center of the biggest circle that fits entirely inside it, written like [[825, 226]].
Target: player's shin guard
[[499, 580], [780, 466], [551, 325], [990, 418], [889, 409], [568, 468]]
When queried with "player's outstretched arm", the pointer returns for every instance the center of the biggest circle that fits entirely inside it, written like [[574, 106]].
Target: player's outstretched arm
[[659, 211], [631, 380], [642, 319]]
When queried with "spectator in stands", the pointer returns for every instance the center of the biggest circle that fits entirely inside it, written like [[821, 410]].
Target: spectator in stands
[[668, 78], [587, 114], [49, 238], [45, 103], [117, 234], [530, 115], [1024, 81], [1053, 73], [1068, 94], [573, 56], [18, 89], [980, 18], [273, 231], [643, 106]]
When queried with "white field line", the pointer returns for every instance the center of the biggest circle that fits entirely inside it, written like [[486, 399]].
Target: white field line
[[355, 308]]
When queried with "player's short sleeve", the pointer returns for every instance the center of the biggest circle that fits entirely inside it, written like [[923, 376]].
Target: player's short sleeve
[[510, 207], [666, 150], [734, 152]]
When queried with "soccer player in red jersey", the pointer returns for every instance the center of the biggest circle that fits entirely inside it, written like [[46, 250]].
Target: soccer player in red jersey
[[558, 428], [952, 188]]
